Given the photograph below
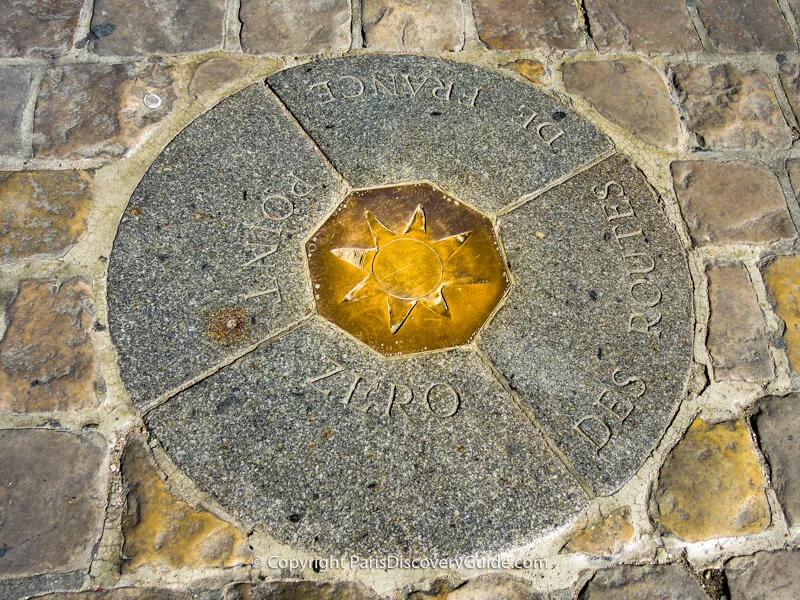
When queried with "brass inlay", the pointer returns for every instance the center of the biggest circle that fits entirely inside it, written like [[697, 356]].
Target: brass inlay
[[406, 269]]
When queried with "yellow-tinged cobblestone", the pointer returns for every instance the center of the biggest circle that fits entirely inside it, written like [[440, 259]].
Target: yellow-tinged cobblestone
[[711, 484]]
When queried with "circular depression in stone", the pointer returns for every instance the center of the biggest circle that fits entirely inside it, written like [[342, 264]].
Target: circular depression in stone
[[407, 269], [306, 406]]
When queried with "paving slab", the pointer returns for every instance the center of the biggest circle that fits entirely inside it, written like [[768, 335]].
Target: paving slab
[[603, 291], [384, 119], [335, 450], [52, 497]]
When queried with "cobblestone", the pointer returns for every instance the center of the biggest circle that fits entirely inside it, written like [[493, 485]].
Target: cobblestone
[[482, 588], [711, 484], [732, 202], [51, 500], [38, 27], [776, 425], [764, 575], [644, 26], [648, 582], [162, 530], [729, 109], [736, 329], [604, 537], [166, 26], [14, 88], [548, 23], [413, 25], [704, 95], [46, 357], [745, 25], [630, 94], [299, 27], [782, 275], [93, 110], [42, 212]]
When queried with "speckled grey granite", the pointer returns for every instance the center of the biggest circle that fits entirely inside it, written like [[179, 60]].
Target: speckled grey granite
[[384, 119], [565, 330], [14, 589], [202, 212], [279, 449]]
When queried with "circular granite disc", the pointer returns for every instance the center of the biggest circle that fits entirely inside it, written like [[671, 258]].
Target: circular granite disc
[[359, 309]]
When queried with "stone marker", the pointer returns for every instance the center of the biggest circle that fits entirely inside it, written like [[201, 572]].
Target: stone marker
[[335, 335]]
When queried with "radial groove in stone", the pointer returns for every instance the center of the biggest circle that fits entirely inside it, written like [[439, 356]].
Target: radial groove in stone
[[596, 336], [384, 119], [334, 450], [208, 258]]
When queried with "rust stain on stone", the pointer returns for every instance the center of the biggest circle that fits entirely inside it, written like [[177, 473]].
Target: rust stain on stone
[[228, 324]]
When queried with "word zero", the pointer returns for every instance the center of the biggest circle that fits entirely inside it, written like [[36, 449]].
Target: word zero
[[440, 400]]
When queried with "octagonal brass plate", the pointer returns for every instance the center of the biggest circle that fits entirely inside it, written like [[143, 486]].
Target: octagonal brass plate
[[407, 269]]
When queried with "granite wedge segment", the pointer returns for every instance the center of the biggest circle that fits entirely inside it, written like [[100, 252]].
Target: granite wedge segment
[[385, 119], [602, 288], [334, 448], [208, 257]]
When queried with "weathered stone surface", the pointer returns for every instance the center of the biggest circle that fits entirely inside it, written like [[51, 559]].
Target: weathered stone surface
[[297, 590], [14, 89], [215, 74], [382, 435], [601, 361], [87, 110], [731, 110], [711, 484], [488, 587], [734, 202], [126, 593], [473, 132], [605, 537], [36, 27], [42, 212], [299, 27], [532, 70], [777, 424], [46, 357], [746, 25], [782, 277], [646, 582], [160, 27], [736, 331], [652, 26], [160, 530], [209, 253], [51, 500], [631, 94], [525, 24], [413, 25], [764, 575], [15, 589], [790, 80]]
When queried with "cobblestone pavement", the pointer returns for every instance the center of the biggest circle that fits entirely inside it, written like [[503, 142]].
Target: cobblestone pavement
[[703, 95]]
